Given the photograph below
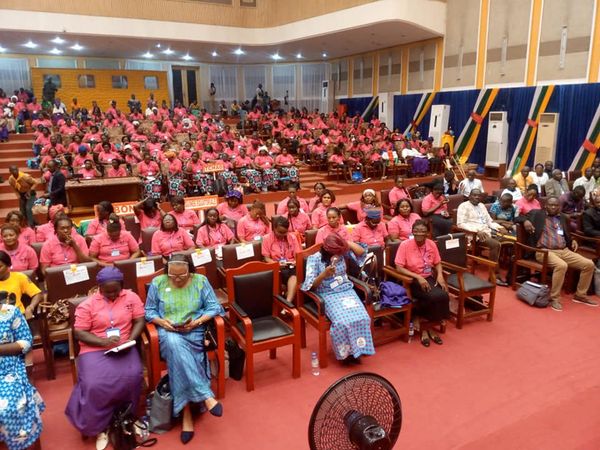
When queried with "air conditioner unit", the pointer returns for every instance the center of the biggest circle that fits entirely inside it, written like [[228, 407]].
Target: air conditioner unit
[[497, 140], [326, 97], [386, 109], [547, 133], [440, 116]]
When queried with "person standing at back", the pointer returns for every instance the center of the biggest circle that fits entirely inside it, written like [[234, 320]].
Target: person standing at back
[[24, 186]]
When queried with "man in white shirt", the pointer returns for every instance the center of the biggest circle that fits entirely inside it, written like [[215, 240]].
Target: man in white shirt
[[473, 216], [468, 184], [587, 181], [539, 177]]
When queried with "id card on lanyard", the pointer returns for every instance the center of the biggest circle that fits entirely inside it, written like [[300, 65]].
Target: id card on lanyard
[[112, 330]]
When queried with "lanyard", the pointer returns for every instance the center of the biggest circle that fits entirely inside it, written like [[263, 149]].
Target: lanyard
[[110, 314], [283, 246]]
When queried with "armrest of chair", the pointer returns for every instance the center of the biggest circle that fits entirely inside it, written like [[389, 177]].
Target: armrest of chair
[[454, 267], [316, 298], [237, 310], [484, 261], [405, 280], [364, 288], [284, 303], [543, 251]]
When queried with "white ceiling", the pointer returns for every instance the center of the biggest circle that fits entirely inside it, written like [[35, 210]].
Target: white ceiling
[[336, 44]]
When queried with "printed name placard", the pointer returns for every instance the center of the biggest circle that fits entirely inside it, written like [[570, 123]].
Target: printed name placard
[[76, 274], [199, 203], [214, 167], [244, 251]]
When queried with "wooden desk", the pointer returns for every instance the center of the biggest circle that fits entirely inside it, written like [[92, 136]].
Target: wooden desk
[[87, 193]]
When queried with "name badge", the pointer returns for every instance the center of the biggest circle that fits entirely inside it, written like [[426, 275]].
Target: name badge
[[115, 253], [560, 232], [110, 332]]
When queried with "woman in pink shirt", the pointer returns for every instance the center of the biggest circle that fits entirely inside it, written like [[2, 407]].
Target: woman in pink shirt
[[116, 170], [22, 256], [114, 245], [292, 194], [19, 221], [282, 246], [89, 172], [186, 218], [318, 188], [108, 318], [419, 259], [400, 227], [398, 192], [286, 164], [107, 155], [176, 181], [368, 201], [98, 225], [149, 170], [148, 213], [63, 247], [319, 215], [233, 208], [255, 224], [371, 231], [529, 201], [334, 225], [201, 183], [265, 164], [214, 233], [170, 238], [244, 165], [435, 206], [299, 221]]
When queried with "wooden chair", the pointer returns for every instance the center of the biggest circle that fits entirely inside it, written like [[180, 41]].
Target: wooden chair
[[255, 304], [58, 289], [464, 285], [336, 171], [385, 202], [310, 237], [146, 245], [231, 261], [348, 215], [128, 267], [156, 364], [73, 343], [209, 269], [133, 226], [524, 257]]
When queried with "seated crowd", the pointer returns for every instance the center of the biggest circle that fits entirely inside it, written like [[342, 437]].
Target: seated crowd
[[180, 302]]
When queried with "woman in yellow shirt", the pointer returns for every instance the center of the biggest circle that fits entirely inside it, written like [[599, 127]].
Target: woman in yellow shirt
[[13, 285]]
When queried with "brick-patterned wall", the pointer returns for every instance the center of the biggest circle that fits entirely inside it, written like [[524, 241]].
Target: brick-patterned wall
[[103, 93]]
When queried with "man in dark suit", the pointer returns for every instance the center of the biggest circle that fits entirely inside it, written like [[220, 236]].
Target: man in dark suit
[[56, 185], [548, 229]]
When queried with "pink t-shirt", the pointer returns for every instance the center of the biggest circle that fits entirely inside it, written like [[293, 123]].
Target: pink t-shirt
[[116, 173], [418, 259], [166, 242], [210, 237], [94, 315], [319, 216], [430, 201], [97, 226], [280, 249], [364, 234], [360, 211], [22, 258], [55, 253], [186, 219], [326, 230], [46, 231], [88, 174], [525, 205], [248, 228], [110, 251], [397, 194], [402, 226], [232, 213], [300, 223], [282, 208], [147, 222]]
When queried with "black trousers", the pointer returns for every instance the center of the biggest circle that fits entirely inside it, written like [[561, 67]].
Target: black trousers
[[433, 305]]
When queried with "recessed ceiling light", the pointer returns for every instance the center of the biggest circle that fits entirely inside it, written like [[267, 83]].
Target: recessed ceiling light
[[187, 57], [76, 47], [324, 55], [2, 49], [239, 51], [55, 51], [299, 55], [168, 51], [30, 44], [214, 53], [58, 40], [157, 45], [276, 56], [148, 55]]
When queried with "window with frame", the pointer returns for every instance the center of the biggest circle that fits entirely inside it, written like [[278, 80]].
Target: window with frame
[[87, 81], [119, 82], [151, 83]]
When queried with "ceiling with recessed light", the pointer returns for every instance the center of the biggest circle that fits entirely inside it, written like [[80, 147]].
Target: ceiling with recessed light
[[330, 46]]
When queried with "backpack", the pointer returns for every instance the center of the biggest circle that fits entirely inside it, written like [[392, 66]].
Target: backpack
[[392, 295]]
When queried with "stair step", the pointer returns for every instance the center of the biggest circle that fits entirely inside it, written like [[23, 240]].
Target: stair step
[[24, 154], [16, 145], [5, 163]]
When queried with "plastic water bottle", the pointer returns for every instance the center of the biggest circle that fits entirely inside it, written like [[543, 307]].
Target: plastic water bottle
[[411, 331], [314, 363], [145, 432]]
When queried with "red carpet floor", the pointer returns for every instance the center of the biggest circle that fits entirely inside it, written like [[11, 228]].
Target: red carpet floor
[[528, 380]]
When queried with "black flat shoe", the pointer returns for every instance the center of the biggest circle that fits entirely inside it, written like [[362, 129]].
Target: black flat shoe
[[186, 436], [437, 339], [216, 410], [425, 340]]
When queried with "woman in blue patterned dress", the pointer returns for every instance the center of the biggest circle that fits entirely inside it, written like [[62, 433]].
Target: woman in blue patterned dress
[[20, 402], [326, 276], [179, 303]]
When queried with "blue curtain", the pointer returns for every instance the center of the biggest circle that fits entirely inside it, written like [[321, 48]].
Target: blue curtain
[[356, 105], [576, 104]]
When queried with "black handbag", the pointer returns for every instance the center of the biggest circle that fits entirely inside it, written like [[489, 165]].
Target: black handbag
[[161, 410], [121, 433], [534, 294], [237, 358]]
